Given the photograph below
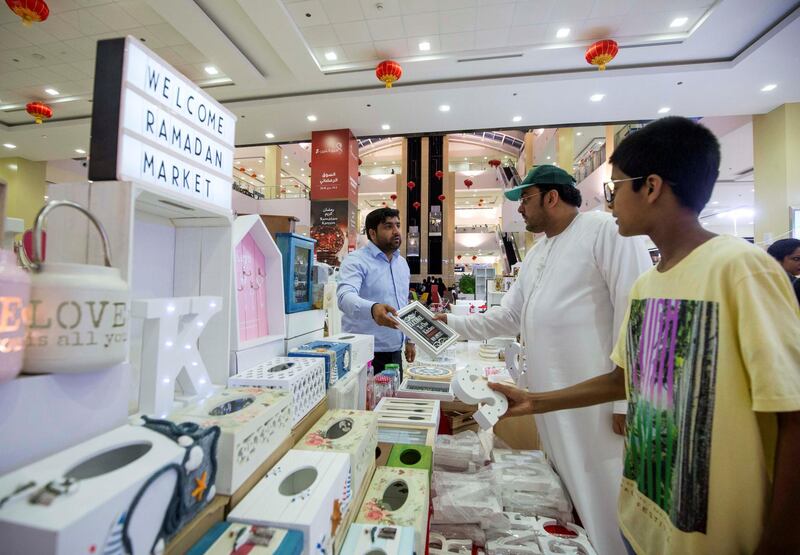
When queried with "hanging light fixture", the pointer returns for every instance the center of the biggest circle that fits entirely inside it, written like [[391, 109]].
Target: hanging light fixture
[[31, 11], [601, 53], [388, 71], [39, 110]]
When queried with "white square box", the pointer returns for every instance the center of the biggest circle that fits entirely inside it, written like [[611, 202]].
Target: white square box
[[305, 491], [88, 515], [304, 377], [408, 412], [425, 389], [253, 423], [345, 393], [362, 347], [354, 432], [400, 496], [363, 539]]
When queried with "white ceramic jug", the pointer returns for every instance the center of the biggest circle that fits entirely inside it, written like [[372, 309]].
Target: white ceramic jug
[[78, 314]]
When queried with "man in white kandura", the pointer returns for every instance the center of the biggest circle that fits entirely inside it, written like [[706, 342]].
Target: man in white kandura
[[567, 304]]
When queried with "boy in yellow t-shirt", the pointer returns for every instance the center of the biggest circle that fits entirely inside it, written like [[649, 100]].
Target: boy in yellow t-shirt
[[709, 357]]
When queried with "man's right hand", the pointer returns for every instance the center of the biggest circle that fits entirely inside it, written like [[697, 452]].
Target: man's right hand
[[440, 316], [380, 313]]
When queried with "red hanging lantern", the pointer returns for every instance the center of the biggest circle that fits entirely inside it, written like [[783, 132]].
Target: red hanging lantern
[[39, 110], [441, 197], [439, 174], [494, 163], [359, 174], [388, 72], [416, 205], [360, 162], [384, 204], [29, 10], [241, 169], [467, 183], [474, 258], [458, 257], [393, 197], [283, 191], [602, 52], [411, 185]]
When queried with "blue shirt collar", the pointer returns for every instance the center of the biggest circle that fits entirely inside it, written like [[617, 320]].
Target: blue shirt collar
[[375, 252]]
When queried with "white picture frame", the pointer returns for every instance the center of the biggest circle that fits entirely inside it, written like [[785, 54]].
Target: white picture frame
[[432, 336]]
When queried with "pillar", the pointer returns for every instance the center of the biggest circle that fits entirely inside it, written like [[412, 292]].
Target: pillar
[[529, 153], [273, 156], [448, 216], [776, 171], [565, 148], [27, 187]]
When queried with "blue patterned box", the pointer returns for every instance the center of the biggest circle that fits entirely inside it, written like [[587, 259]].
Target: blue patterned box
[[363, 539], [225, 538], [337, 357]]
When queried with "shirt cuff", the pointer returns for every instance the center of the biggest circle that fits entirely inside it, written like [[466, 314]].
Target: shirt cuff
[[457, 323]]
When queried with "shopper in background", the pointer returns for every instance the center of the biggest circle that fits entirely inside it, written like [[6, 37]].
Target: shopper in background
[[373, 284], [567, 304], [787, 252], [710, 358]]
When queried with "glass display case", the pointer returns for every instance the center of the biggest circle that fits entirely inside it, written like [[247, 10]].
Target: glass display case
[[297, 252]]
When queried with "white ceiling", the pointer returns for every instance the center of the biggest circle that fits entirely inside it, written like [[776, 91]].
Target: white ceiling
[[275, 81], [361, 33]]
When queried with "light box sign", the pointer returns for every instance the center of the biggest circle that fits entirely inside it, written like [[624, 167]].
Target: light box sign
[[151, 124], [334, 165]]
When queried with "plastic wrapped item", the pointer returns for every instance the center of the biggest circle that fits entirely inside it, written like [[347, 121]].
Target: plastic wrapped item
[[462, 452], [472, 532], [538, 504], [535, 477], [439, 545], [517, 456], [513, 542], [555, 538], [466, 498]]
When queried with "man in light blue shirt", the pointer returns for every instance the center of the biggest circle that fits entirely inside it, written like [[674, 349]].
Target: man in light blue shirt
[[374, 283]]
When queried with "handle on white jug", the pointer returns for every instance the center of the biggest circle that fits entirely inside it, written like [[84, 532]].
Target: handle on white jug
[[38, 226]]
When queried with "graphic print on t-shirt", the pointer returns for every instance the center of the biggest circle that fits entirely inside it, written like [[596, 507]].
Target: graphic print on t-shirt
[[672, 362]]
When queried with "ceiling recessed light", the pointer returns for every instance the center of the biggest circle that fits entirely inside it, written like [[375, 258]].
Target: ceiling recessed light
[[663, 110], [548, 157], [287, 163], [562, 33], [516, 118], [52, 92], [770, 87], [444, 108], [679, 22], [211, 70], [331, 56], [485, 157], [285, 157], [597, 97], [261, 175], [386, 126], [269, 135], [9, 145], [425, 46], [311, 117], [80, 151], [578, 134]]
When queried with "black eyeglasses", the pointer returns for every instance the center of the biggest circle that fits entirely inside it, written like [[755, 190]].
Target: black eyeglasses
[[609, 187]]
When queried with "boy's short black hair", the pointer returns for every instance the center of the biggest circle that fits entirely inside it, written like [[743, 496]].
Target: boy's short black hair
[[682, 152], [377, 217], [568, 193], [782, 248]]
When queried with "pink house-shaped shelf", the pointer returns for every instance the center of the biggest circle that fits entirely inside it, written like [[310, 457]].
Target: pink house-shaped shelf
[[258, 311]]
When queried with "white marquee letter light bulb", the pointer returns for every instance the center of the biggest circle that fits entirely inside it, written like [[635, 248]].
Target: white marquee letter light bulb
[[472, 388], [172, 327]]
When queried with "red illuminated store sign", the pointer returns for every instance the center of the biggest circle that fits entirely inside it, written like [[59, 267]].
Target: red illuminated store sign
[[334, 165]]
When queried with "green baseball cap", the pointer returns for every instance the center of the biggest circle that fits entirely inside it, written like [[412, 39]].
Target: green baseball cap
[[545, 174]]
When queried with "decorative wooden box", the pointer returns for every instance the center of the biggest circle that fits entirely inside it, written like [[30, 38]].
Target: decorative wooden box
[[425, 389], [253, 422], [398, 496], [362, 347], [226, 539], [304, 377], [258, 310], [305, 491], [337, 357], [83, 499], [365, 539], [412, 435], [354, 432], [419, 457], [408, 412], [345, 393]]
